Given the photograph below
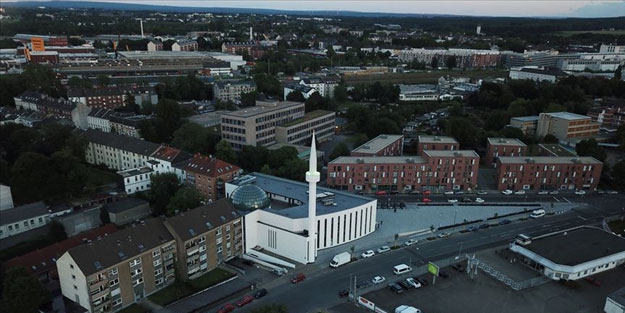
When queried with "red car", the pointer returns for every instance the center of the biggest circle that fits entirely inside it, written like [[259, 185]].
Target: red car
[[426, 200], [380, 193], [245, 300], [298, 278], [226, 308], [427, 193], [593, 281]]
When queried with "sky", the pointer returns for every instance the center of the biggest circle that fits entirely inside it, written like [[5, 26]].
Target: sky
[[517, 8]]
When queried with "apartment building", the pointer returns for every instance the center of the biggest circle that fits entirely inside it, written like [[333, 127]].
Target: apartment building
[[231, 90], [382, 145], [117, 152], [527, 124], [555, 150], [206, 237], [436, 143], [299, 132], [99, 119], [119, 269], [169, 160], [106, 97], [548, 173], [184, 45], [53, 107], [498, 147], [208, 175], [566, 126], [325, 87], [609, 117], [127, 124], [256, 126], [136, 179], [436, 170]]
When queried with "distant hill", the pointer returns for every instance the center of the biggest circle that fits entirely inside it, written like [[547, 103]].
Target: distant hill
[[163, 8]]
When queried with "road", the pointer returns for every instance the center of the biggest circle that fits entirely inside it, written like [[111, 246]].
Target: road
[[319, 290]]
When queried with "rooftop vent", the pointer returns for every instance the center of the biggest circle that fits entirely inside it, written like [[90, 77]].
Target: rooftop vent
[[530, 160], [360, 161], [436, 138], [409, 160]]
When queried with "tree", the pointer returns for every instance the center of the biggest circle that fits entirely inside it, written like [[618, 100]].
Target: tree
[[618, 73], [314, 102], [252, 158], [57, 231], [590, 147], [434, 62], [184, 199], [295, 96], [618, 175], [549, 138], [225, 152], [22, 292], [248, 99], [620, 136], [30, 177], [103, 80], [340, 93], [193, 138], [276, 158], [162, 188], [104, 216], [451, 62], [339, 150]]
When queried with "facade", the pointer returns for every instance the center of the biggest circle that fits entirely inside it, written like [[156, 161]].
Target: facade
[[609, 117], [436, 143], [155, 45], [500, 147], [99, 119], [120, 269], [527, 124], [6, 198], [325, 87], [128, 210], [548, 173], [615, 302], [206, 237], [566, 126], [127, 124], [136, 179], [208, 175], [557, 255], [117, 152], [255, 126], [423, 92], [299, 132], [23, 218], [436, 170], [232, 90], [465, 57], [382, 145], [611, 49], [536, 74], [304, 90], [106, 97], [184, 45], [169, 160], [46, 105], [253, 49]]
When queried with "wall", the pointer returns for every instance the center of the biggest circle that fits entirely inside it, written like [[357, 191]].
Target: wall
[[79, 295]]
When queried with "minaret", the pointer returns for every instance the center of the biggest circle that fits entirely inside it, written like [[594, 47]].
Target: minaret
[[312, 177]]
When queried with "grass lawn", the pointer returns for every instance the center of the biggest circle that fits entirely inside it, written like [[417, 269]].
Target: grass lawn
[[180, 290]]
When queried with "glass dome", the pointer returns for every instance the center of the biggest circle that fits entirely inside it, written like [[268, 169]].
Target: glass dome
[[250, 198]]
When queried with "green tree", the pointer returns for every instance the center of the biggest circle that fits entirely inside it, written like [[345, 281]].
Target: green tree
[[314, 102], [549, 138], [225, 152], [618, 73], [252, 158], [193, 138], [295, 96], [590, 147], [248, 99], [162, 188], [618, 175], [451, 62], [276, 158], [57, 231], [184, 199], [434, 62], [22, 292], [339, 150], [340, 93], [294, 169], [29, 177], [103, 80], [554, 107], [266, 169]]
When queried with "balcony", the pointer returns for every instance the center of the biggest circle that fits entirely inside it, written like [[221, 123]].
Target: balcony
[[95, 284], [95, 294], [193, 250]]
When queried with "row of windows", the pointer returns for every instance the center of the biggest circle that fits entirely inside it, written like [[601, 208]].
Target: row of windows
[[26, 224]]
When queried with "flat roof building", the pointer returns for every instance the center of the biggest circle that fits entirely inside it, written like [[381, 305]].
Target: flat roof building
[[382, 145], [527, 124], [567, 127], [436, 143], [496, 147]]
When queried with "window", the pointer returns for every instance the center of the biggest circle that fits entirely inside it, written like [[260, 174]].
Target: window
[[136, 271], [137, 281], [114, 282], [71, 266], [158, 271], [113, 272], [117, 302], [73, 277], [157, 262], [136, 261], [156, 253], [75, 288], [159, 281]]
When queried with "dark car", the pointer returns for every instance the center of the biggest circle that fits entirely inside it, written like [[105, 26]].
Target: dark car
[[260, 293], [467, 199], [484, 226], [472, 228], [458, 267], [343, 293], [404, 284], [504, 222], [298, 278], [422, 280], [443, 274], [396, 288], [402, 204]]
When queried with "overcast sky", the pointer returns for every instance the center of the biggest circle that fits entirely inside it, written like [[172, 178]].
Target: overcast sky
[[547, 8]]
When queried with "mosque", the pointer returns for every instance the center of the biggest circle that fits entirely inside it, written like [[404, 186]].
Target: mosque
[[280, 214]]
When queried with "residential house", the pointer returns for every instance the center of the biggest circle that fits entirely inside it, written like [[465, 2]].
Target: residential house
[[208, 175]]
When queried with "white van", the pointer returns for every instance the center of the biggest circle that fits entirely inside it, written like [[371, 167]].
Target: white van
[[523, 240], [401, 269], [537, 213]]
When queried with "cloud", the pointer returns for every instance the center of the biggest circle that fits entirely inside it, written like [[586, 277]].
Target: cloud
[[602, 9]]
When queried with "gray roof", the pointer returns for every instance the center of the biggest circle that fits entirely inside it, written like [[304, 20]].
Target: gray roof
[[618, 296], [23, 212], [548, 160], [100, 113], [121, 142], [557, 149], [451, 153], [378, 160], [533, 118], [202, 219], [378, 143], [568, 116], [221, 84], [261, 109], [436, 139], [298, 191], [120, 246], [125, 204], [564, 247], [505, 141], [547, 71]]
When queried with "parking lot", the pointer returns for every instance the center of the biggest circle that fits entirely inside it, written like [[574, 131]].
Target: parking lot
[[484, 294]]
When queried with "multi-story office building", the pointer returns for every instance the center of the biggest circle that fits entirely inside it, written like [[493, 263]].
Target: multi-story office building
[[382, 145], [119, 269], [206, 237], [117, 152], [498, 147], [527, 124], [256, 126], [208, 175], [299, 132], [566, 126], [436, 143], [436, 170], [231, 90], [546, 173]]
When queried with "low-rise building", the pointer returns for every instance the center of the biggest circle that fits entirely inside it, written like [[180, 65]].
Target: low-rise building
[[499, 147], [136, 179], [548, 173], [168, 159], [128, 210], [609, 117], [184, 45], [23, 218], [206, 237], [104, 97], [527, 124], [567, 127], [304, 90], [382, 145], [555, 150], [537, 74], [418, 93], [436, 143], [99, 119], [127, 124], [208, 175]]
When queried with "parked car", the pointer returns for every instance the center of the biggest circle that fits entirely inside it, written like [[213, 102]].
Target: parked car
[[504, 222], [467, 199], [459, 192], [507, 192], [458, 267], [413, 282], [452, 200], [482, 192], [472, 228], [378, 280], [612, 192], [537, 213], [426, 200], [479, 200], [423, 281], [415, 192], [383, 249], [484, 226], [519, 192], [449, 192], [443, 235], [543, 192], [402, 204], [553, 192], [404, 285], [260, 293], [245, 300], [380, 193], [396, 288], [298, 278], [580, 192], [367, 254], [343, 293], [228, 307], [427, 192], [411, 242], [593, 281], [443, 274]]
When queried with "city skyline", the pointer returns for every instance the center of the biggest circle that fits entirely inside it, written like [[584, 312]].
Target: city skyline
[[583, 8]]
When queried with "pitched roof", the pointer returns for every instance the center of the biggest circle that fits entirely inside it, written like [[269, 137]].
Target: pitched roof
[[100, 113], [121, 142], [23, 212], [210, 166], [170, 154], [120, 246], [202, 219], [124, 204]]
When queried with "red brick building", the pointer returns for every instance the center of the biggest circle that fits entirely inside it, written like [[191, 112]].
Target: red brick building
[[253, 49], [436, 143], [382, 145], [209, 175], [435, 170], [500, 147], [548, 173], [105, 97]]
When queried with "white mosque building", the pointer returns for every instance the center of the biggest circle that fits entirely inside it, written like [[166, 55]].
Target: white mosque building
[[282, 213]]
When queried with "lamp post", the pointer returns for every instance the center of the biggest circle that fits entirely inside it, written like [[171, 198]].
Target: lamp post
[[459, 250]]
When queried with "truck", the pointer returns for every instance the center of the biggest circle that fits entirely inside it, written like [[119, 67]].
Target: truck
[[340, 259], [406, 309]]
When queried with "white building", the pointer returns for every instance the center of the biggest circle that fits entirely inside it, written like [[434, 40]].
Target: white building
[[615, 302], [99, 119], [117, 152], [612, 49], [169, 160], [136, 179], [421, 92], [536, 73], [6, 198], [23, 218]]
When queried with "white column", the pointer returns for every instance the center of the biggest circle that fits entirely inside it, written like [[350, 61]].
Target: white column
[[312, 177]]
